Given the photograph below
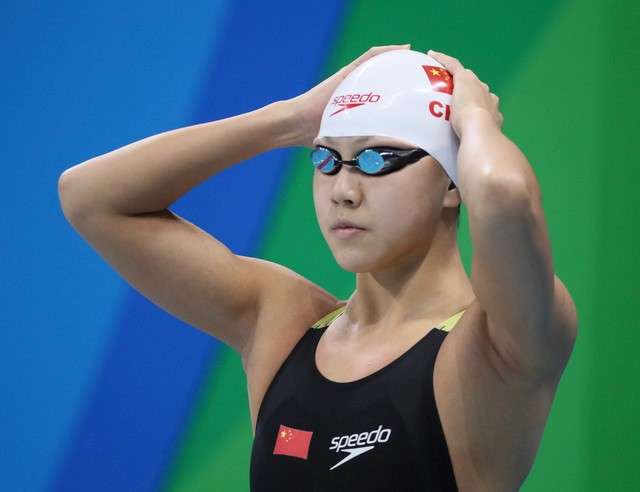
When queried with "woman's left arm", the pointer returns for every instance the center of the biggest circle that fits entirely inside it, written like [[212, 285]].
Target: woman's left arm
[[531, 318]]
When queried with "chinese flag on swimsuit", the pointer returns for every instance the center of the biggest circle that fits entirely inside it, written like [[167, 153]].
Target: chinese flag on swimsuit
[[440, 79], [293, 442]]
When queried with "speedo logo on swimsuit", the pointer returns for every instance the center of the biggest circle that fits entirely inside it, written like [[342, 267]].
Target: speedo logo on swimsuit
[[357, 444], [349, 101]]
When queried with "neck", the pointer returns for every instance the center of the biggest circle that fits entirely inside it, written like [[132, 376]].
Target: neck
[[431, 285]]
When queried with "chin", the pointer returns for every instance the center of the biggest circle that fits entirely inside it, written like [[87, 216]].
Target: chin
[[350, 260], [356, 261], [355, 267]]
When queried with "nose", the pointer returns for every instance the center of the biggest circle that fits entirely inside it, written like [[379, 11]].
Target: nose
[[347, 187]]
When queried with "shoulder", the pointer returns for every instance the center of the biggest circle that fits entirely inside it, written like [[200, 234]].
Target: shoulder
[[287, 312], [289, 305], [472, 345], [487, 408]]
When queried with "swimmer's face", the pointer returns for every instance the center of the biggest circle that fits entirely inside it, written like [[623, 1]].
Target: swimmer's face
[[399, 211]]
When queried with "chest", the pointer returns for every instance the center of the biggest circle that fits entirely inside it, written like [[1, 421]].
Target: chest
[[490, 429], [374, 432], [340, 360]]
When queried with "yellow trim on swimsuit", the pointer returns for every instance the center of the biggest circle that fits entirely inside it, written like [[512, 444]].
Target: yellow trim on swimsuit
[[450, 322], [326, 320]]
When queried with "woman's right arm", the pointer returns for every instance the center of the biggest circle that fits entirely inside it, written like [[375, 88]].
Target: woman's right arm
[[118, 202], [149, 175]]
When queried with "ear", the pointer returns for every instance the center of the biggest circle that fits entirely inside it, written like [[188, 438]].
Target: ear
[[451, 196]]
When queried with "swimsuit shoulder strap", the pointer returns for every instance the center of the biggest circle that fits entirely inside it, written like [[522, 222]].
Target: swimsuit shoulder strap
[[451, 321], [328, 318]]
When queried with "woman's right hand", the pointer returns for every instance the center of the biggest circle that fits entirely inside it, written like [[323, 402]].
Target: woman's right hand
[[307, 108]]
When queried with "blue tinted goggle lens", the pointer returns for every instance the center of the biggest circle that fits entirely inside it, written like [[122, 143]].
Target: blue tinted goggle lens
[[369, 160], [323, 160]]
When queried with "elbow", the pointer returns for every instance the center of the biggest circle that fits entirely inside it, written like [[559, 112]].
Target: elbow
[[68, 196], [63, 193]]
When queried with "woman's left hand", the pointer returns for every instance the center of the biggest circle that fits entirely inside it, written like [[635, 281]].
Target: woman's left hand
[[471, 97]]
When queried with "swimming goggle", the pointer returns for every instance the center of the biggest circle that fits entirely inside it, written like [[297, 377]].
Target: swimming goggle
[[374, 161]]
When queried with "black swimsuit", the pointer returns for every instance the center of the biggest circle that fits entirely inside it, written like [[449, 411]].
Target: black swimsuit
[[381, 432]]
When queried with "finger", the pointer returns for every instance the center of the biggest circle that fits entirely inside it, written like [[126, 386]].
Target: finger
[[373, 51], [376, 50], [450, 63], [473, 75]]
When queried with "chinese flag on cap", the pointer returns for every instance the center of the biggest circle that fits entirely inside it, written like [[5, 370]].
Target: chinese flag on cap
[[441, 80], [293, 442]]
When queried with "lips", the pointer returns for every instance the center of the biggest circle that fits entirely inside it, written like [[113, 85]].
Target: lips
[[346, 224]]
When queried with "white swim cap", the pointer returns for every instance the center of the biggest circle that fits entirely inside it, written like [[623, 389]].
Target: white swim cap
[[402, 94]]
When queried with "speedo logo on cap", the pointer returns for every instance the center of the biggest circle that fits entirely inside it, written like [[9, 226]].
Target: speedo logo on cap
[[349, 101], [357, 444]]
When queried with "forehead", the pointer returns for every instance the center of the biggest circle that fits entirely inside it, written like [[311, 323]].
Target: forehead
[[360, 141]]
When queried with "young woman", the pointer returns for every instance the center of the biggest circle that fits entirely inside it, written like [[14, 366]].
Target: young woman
[[424, 379]]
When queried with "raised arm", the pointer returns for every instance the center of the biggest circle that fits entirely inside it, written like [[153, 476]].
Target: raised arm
[[118, 202], [149, 175], [531, 320]]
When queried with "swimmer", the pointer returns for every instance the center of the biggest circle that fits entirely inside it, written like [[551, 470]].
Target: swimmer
[[425, 378]]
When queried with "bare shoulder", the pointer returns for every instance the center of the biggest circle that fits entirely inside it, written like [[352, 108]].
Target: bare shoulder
[[492, 418], [289, 304]]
